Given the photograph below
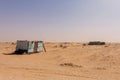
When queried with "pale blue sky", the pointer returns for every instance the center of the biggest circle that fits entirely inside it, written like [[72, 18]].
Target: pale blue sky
[[60, 20]]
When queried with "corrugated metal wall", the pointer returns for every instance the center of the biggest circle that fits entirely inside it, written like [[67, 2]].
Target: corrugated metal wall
[[40, 46], [23, 45], [31, 47]]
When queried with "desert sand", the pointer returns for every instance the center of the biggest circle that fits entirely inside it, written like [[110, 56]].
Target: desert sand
[[62, 61]]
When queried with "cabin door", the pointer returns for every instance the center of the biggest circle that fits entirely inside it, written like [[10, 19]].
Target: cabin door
[[35, 47]]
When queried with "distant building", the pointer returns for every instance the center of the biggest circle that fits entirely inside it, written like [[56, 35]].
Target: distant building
[[96, 43]]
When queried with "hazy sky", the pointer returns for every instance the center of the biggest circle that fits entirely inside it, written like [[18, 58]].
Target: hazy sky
[[60, 20]]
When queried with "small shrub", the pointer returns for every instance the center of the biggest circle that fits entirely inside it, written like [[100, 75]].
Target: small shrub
[[70, 65], [55, 46], [62, 46], [84, 44]]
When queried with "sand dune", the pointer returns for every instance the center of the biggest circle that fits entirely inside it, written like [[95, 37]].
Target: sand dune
[[62, 61]]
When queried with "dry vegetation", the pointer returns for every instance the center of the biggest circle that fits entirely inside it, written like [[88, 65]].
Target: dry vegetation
[[62, 61]]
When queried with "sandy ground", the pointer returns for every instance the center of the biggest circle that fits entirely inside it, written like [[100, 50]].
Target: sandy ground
[[62, 61]]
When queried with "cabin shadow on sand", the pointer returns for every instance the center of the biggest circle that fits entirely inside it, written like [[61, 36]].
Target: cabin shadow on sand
[[11, 54], [15, 53]]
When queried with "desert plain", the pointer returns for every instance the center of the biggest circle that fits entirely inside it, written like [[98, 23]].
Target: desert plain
[[62, 61]]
